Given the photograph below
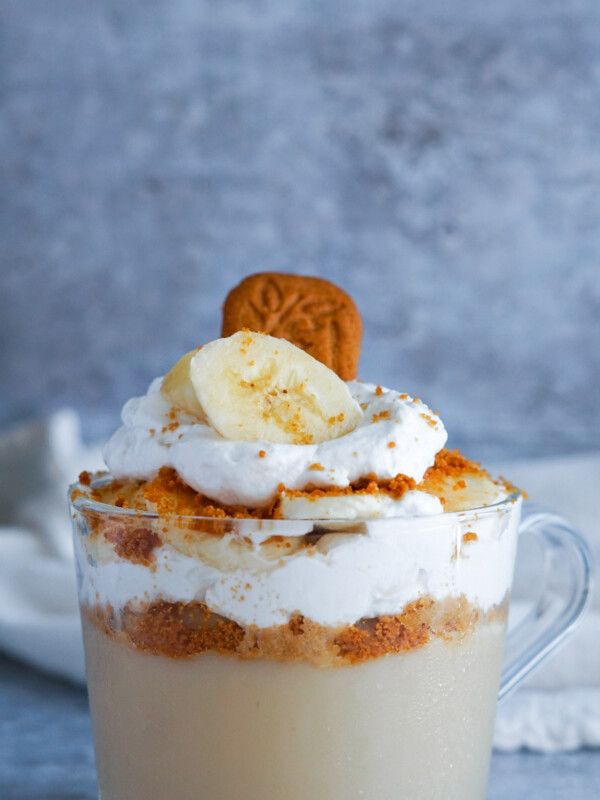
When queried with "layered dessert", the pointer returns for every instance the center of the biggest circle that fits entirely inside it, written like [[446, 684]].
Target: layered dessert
[[290, 588]]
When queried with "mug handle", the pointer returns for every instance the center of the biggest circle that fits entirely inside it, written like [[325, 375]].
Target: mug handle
[[555, 612]]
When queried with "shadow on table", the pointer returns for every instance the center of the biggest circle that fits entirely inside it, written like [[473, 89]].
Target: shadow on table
[[46, 748], [528, 776]]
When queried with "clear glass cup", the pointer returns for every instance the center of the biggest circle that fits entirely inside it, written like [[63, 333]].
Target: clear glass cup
[[381, 683]]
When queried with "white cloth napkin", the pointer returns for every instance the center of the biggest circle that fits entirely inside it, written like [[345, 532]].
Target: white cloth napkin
[[557, 709], [39, 618]]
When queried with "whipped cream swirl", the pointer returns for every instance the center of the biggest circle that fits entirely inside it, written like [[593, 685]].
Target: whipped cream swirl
[[397, 434]]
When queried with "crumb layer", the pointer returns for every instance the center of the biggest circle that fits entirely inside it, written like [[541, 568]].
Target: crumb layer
[[182, 630]]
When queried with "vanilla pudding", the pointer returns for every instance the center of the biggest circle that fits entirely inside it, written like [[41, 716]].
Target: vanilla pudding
[[316, 613], [413, 725]]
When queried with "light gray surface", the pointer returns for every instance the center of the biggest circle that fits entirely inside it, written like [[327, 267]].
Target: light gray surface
[[46, 751], [440, 160]]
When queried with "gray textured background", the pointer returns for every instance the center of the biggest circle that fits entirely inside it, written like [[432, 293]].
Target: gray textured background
[[439, 160]]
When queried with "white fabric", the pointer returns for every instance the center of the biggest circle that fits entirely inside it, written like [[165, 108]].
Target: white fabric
[[39, 618], [558, 708]]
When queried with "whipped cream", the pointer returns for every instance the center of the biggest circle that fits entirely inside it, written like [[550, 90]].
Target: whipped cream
[[387, 552], [397, 434], [376, 569]]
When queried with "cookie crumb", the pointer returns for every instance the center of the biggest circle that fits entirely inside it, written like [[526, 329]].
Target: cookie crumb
[[136, 545], [85, 478]]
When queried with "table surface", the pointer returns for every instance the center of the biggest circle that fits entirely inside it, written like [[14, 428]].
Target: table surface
[[46, 749]]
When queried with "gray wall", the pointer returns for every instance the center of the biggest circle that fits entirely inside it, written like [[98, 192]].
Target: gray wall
[[441, 163]]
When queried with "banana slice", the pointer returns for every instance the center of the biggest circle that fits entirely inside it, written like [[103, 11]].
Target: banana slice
[[256, 387], [349, 506], [178, 389], [358, 506], [466, 490]]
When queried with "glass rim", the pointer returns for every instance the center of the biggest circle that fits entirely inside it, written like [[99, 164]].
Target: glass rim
[[85, 503]]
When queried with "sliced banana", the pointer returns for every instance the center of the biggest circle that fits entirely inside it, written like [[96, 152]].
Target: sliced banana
[[358, 506], [178, 389], [465, 491], [349, 506], [255, 387]]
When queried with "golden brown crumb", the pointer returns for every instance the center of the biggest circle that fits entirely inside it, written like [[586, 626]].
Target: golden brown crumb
[[371, 638], [449, 464], [381, 415], [170, 495], [180, 630], [369, 484], [136, 545]]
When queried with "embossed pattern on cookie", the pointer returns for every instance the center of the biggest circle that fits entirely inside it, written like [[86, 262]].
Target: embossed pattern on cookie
[[312, 313]]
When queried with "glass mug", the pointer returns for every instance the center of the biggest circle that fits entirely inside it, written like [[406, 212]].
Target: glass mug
[[189, 704]]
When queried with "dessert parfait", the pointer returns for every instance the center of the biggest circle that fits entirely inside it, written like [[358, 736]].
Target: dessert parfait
[[289, 587]]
